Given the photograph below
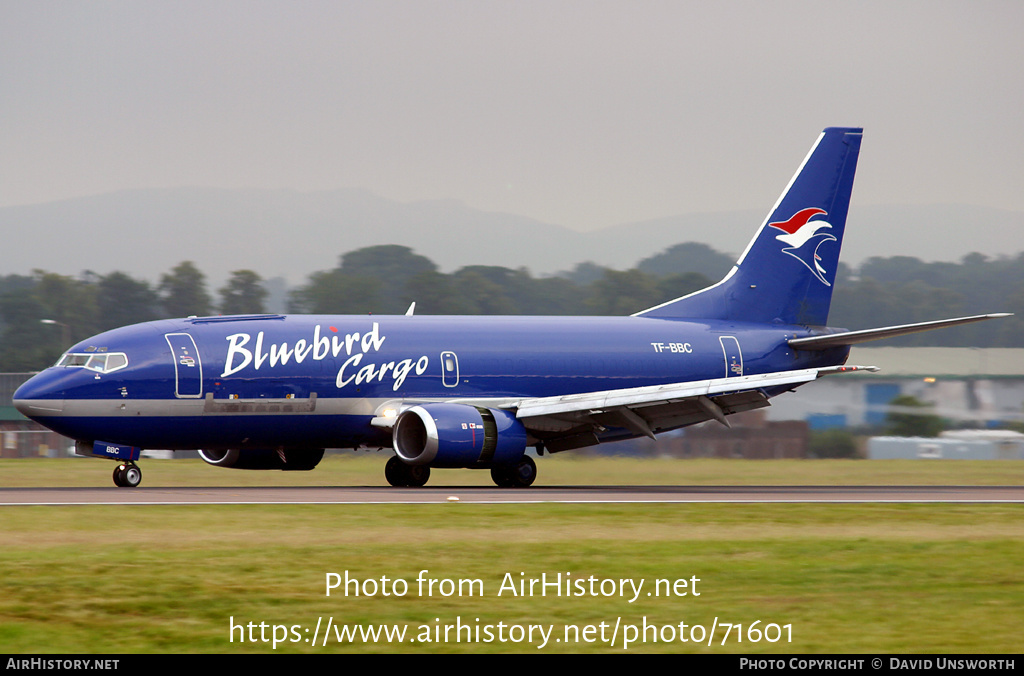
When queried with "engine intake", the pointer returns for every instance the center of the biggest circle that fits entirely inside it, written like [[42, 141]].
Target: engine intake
[[458, 435]]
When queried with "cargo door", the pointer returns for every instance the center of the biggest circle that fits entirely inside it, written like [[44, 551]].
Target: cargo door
[[733, 356]]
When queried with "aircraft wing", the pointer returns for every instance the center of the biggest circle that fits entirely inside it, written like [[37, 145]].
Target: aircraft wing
[[569, 421]]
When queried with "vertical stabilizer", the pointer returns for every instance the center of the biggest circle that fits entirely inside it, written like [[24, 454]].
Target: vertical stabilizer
[[786, 273]]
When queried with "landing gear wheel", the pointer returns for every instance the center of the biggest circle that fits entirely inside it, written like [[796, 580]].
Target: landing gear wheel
[[519, 475], [524, 473], [400, 474], [132, 476], [395, 472], [418, 475], [127, 475], [501, 476]]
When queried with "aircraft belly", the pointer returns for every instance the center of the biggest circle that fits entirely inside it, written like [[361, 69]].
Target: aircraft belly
[[195, 423], [188, 408]]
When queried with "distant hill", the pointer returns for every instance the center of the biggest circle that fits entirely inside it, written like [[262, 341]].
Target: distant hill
[[291, 234]]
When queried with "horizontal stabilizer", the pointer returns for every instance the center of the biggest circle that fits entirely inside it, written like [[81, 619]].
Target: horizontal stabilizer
[[845, 338]]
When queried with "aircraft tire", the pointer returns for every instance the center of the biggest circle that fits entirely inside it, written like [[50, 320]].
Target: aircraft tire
[[418, 475], [524, 473], [395, 473], [127, 476], [501, 476], [132, 476]]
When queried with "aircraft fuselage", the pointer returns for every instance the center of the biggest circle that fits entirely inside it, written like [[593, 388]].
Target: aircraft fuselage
[[306, 380]]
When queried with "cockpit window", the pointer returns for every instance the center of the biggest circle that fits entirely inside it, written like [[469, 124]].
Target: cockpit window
[[115, 361], [74, 360], [101, 363], [97, 362]]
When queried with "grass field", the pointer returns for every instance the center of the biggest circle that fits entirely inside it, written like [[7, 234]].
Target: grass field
[[845, 578], [367, 469]]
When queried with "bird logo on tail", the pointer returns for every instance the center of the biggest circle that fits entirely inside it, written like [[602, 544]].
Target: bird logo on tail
[[803, 237]]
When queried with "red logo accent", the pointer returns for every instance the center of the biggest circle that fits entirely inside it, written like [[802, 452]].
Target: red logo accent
[[798, 220]]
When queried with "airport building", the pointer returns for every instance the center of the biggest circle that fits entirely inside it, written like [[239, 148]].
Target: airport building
[[952, 445]]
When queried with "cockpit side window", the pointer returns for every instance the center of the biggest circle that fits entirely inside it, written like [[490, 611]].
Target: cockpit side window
[[116, 360], [105, 362]]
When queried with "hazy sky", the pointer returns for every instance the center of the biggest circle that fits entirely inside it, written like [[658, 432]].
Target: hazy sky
[[584, 114]]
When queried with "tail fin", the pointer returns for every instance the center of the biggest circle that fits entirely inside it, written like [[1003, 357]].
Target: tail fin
[[786, 273]]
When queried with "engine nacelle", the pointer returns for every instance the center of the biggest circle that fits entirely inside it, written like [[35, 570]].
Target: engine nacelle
[[458, 435], [291, 459]]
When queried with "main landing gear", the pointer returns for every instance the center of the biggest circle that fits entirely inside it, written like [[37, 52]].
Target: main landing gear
[[519, 475], [127, 475], [400, 474]]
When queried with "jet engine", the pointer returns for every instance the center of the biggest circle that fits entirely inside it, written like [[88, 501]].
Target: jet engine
[[293, 459], [458, 435]]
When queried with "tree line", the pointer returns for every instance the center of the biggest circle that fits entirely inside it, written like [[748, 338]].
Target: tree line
[[43, 313]]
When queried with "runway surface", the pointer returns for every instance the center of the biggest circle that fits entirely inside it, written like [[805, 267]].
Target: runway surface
[[487, 495]]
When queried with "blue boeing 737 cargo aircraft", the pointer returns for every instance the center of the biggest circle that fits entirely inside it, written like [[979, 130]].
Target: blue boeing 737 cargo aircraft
[[273, 391]]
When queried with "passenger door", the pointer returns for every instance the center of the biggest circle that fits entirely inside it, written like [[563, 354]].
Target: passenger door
[[188, 368]]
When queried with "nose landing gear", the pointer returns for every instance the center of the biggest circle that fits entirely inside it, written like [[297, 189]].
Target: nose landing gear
[[127, 475]]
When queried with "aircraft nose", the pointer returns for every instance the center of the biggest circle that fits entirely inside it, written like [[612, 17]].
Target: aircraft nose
[[40, 395]]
